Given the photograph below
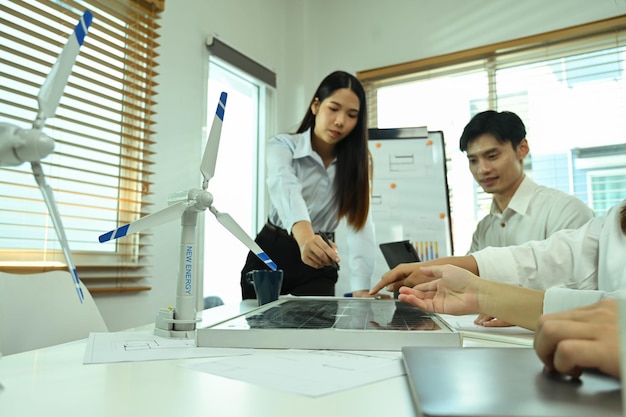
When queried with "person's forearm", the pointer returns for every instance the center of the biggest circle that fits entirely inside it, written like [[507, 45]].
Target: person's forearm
[[515, 305], [466, 262], [302, 231]]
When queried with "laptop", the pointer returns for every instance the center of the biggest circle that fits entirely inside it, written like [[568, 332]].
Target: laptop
[[396, 253], [480, 382]]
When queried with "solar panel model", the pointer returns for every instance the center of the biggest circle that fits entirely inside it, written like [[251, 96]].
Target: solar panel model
[[331, 323]]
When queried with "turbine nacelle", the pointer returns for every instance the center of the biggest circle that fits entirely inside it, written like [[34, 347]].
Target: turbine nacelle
[[194, 197], [18, 146]]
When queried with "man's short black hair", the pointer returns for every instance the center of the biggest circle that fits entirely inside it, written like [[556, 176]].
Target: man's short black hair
[[505, 126]]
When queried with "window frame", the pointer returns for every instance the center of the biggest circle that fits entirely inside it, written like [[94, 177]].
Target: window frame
[[128, 28], [490, 59]]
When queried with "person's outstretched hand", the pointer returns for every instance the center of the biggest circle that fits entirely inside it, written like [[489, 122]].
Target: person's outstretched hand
[[452, 290], [402, 275]]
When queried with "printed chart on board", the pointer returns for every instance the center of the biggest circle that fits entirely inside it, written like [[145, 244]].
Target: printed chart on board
[[410, 191]]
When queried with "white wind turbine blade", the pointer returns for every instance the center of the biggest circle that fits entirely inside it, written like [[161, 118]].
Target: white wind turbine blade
[[207, 167], [52, 88], [48, 99], [19, 145], [48, 196], [229, 223], [168, 214]]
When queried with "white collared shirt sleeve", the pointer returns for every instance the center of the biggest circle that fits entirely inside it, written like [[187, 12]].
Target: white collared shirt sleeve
[[361, 255], [284, 186], [559, 299], [576, 267], [568, 258]]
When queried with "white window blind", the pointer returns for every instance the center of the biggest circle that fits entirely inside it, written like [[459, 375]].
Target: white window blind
[[568, 86], [100, 169]]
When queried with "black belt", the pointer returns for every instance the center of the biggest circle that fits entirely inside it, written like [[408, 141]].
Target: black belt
[[276, 229], [281, 231]]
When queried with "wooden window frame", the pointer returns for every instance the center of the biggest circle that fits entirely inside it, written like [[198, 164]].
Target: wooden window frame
[[129, 29]]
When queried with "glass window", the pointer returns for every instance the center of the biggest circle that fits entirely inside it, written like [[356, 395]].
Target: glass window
[[569, 91], [99, 170], [606, 188], [235, 186]]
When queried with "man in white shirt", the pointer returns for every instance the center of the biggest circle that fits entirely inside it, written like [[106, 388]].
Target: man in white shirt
[[521, 211], [496, 145], [570, 269]]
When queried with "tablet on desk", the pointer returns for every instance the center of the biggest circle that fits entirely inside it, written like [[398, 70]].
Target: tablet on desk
[[481, 382], [396, 253]]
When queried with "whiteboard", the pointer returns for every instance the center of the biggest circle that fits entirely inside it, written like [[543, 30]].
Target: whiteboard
[[410, 199]]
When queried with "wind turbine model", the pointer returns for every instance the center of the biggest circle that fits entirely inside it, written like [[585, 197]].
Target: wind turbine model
[[19, 145], [186, 205]]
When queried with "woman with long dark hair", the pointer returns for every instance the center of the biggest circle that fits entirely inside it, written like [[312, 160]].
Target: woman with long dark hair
[[316, 177]]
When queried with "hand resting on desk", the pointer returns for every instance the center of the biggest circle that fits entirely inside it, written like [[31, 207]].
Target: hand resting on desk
[[586, 337]]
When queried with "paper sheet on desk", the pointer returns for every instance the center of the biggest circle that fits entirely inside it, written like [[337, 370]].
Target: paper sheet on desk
[[308, 372], [512, 334], [145, 346]]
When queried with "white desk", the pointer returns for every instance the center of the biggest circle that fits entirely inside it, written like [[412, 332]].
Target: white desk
[[54, 382]]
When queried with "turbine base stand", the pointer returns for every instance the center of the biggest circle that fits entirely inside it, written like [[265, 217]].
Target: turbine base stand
[[165, 323]]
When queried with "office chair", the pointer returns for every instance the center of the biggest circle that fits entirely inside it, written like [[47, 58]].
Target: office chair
[[40, 310], [212, 301]]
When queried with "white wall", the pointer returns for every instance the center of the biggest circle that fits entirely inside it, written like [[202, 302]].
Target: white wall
[[303, 40], [356, 35], [256, 28]]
